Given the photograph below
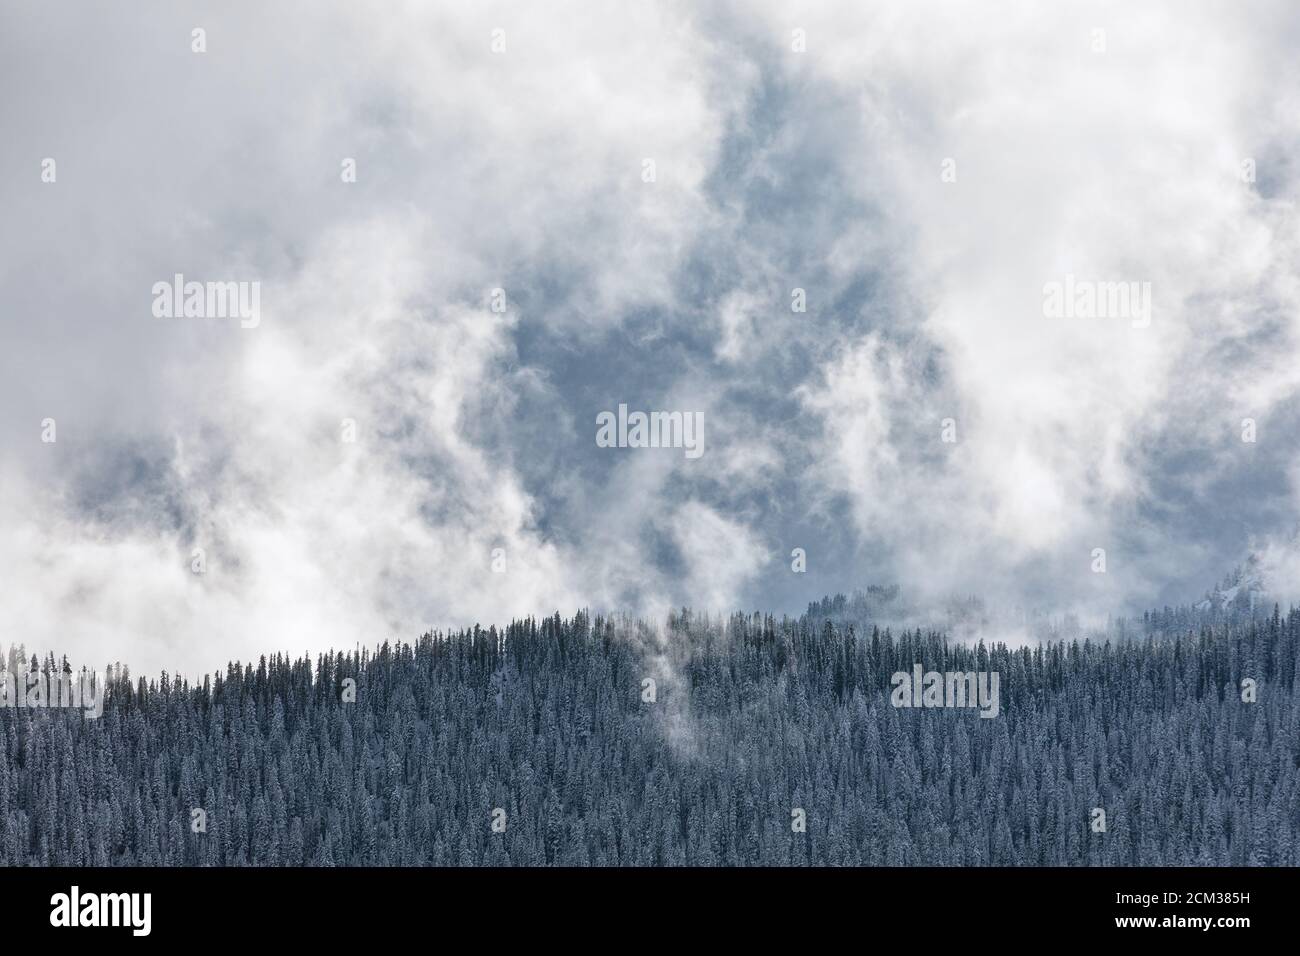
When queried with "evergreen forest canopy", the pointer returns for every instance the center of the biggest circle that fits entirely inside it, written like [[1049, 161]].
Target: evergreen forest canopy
[[760, 741]]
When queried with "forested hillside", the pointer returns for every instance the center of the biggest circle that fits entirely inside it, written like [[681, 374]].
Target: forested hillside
[[548, 731]]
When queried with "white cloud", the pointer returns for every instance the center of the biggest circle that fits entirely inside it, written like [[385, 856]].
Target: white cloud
[[523, 170]]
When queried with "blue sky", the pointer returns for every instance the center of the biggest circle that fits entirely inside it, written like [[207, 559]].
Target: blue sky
[[1089, 140]]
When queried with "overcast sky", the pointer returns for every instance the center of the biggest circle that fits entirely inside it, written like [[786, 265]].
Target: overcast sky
[[1109, 142]]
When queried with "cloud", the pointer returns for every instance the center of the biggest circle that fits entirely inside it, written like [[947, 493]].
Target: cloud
[[1122, 164], [524, 170]]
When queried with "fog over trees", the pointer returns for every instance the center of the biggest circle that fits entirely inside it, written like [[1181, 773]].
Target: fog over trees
[[753, 740]]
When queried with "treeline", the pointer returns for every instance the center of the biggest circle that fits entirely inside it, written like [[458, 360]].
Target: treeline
[[747, 741]]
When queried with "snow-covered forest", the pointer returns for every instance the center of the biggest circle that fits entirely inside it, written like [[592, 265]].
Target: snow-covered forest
[[747, 741]]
